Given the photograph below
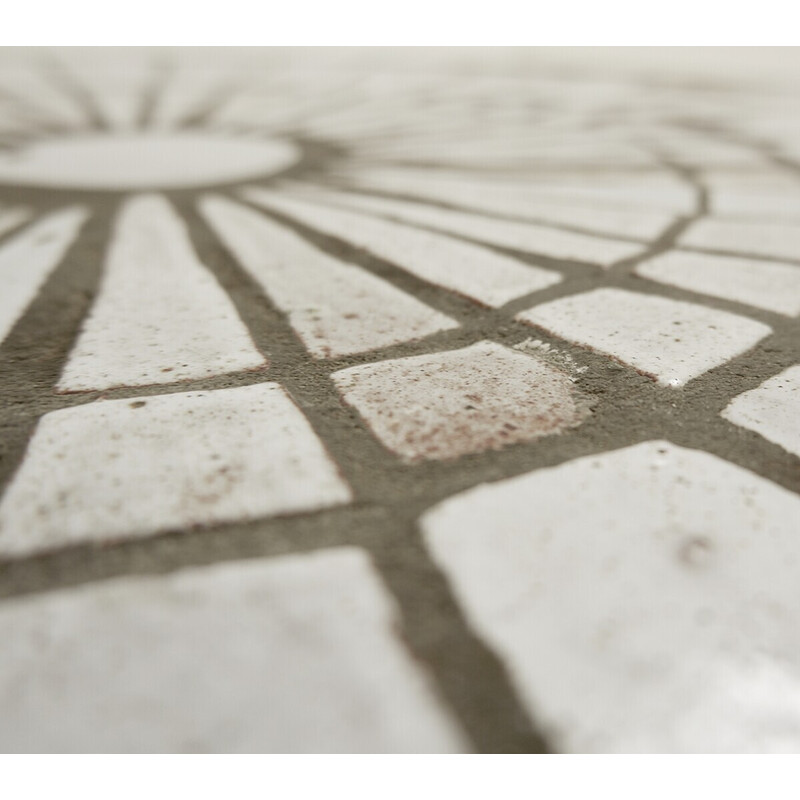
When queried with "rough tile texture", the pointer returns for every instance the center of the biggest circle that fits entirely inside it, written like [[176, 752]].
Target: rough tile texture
[[297, 654], [119, 468], [159, 316], [264, 310], [671, 340], [442, 406], [336, 308]]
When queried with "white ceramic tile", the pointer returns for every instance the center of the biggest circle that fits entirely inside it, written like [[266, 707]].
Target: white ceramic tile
[[445, 405], [772, 409], [701, 150], [160, 316], [767, 195], [336, 308], [525, 236], [27, 259], [121, 468], [493, 145], [763, 284], [644, 600], [631, 191], [670, 340], [522, 199], [144, 161], [773, 239], [530, 237], [296, 654], [469, 270]]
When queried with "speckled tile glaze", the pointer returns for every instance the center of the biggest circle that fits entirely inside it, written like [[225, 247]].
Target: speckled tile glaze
[[160, 316], [671, 340], [446, 405], [118, 468], [336, 308], [372, 399]]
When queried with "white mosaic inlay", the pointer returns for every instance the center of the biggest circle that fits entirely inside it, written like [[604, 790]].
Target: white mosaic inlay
[[160, 316], [356, 206], [472, 271], [670, 340], [445, 405], [772, 409], [525, 236], [763, 284], [296, 654], [636, 197], [118, 468], [662, 623], [521, 199], [771, 196], [27, 260], [336, 308], [773, 239], [140, 161], [528, 236]]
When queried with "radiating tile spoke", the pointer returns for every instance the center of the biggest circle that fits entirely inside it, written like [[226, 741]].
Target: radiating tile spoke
[[28, 258], [336, 308], [160, 316], [469, 270]]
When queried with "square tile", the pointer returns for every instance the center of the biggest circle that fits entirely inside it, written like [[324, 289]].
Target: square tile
[[445, 405]]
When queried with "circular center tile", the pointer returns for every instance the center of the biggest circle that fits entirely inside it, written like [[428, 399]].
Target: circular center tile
[[145, 161]]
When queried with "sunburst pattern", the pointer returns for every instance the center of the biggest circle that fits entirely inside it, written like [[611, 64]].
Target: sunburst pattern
[[398, 284]]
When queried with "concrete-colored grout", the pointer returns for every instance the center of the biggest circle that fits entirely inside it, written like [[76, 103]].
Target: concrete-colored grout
[[627, 408]]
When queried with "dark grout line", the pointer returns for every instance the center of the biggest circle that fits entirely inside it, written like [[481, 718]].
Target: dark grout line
[[347, 188], [360, 459], [471, 678], [30, 362], [432, 295], [626, 408]]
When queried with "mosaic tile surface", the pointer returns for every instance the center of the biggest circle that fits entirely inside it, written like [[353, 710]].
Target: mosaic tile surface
[[360, 401]]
